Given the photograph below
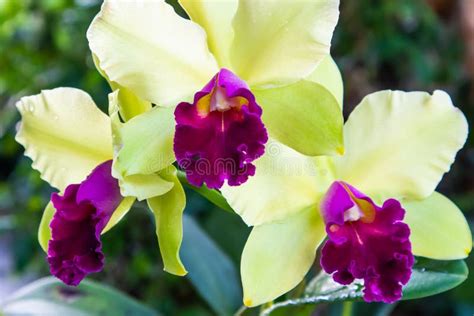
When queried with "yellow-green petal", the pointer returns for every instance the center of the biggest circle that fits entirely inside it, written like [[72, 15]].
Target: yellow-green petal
[[399, 144], [439, 229], [146, 47], [144, 186], [147, 142], [215, 17], [304, 116], [277, 256], [141, 186], [281, 41], [168, 212], [65, 135], [129, 104], [44, 231], [284, 183], [329, 76], [119, 213]]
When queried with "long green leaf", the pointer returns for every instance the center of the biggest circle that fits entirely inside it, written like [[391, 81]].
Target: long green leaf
[[429, 277], [210, 270], [50, 297]]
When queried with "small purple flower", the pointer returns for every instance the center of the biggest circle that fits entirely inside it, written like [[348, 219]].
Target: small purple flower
[[220, 134], [75, 249], [366, 242]]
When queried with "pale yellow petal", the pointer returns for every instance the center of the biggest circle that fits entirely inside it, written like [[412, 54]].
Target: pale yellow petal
[[439, 230], [129, 104], [281, 41], [277, 256], [215, 17], [65, 135], [285, 182], [328, 75], [145, 46], [399, 144]]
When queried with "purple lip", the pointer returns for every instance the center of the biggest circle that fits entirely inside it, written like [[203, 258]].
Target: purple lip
[[366, 242], [75, 249], [220, 134]]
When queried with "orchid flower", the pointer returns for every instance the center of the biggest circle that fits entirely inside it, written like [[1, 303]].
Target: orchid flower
[[72, 146], [376, 204], [235, 74]]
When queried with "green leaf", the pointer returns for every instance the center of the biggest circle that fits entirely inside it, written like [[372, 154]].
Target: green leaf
[[49, 296], [210, 270], [429, 277], [433, 277]]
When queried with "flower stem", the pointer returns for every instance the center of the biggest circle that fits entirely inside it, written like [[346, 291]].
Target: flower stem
[[240, 311], [346, 309]]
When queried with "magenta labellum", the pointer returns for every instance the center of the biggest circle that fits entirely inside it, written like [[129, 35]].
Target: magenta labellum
[[75, 248], [220, 133], [366, 242]]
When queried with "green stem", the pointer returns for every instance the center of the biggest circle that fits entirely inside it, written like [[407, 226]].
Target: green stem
[[240, 311], [212, 196], [347, 309]]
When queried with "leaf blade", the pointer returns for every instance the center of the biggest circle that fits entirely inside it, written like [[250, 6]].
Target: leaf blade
[[429, 277]]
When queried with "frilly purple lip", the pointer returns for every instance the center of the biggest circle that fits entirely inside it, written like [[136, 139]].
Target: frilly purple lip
[[220, 134], [366, 242], [75, 248]]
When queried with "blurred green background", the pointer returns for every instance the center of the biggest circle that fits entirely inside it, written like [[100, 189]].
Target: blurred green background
[[384, 44]]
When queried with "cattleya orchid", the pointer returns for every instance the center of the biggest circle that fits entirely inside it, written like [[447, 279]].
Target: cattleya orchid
[[72, 146], [235, 74], [376, 204]]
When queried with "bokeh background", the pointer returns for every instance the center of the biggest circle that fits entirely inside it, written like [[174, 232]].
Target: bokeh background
[[378, 44]]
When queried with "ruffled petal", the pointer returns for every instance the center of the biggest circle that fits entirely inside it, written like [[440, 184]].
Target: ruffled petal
[[399, 144], [220, 134], [366, 242], [65, 134], [281, 41], [75, 249], [145, 46]]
